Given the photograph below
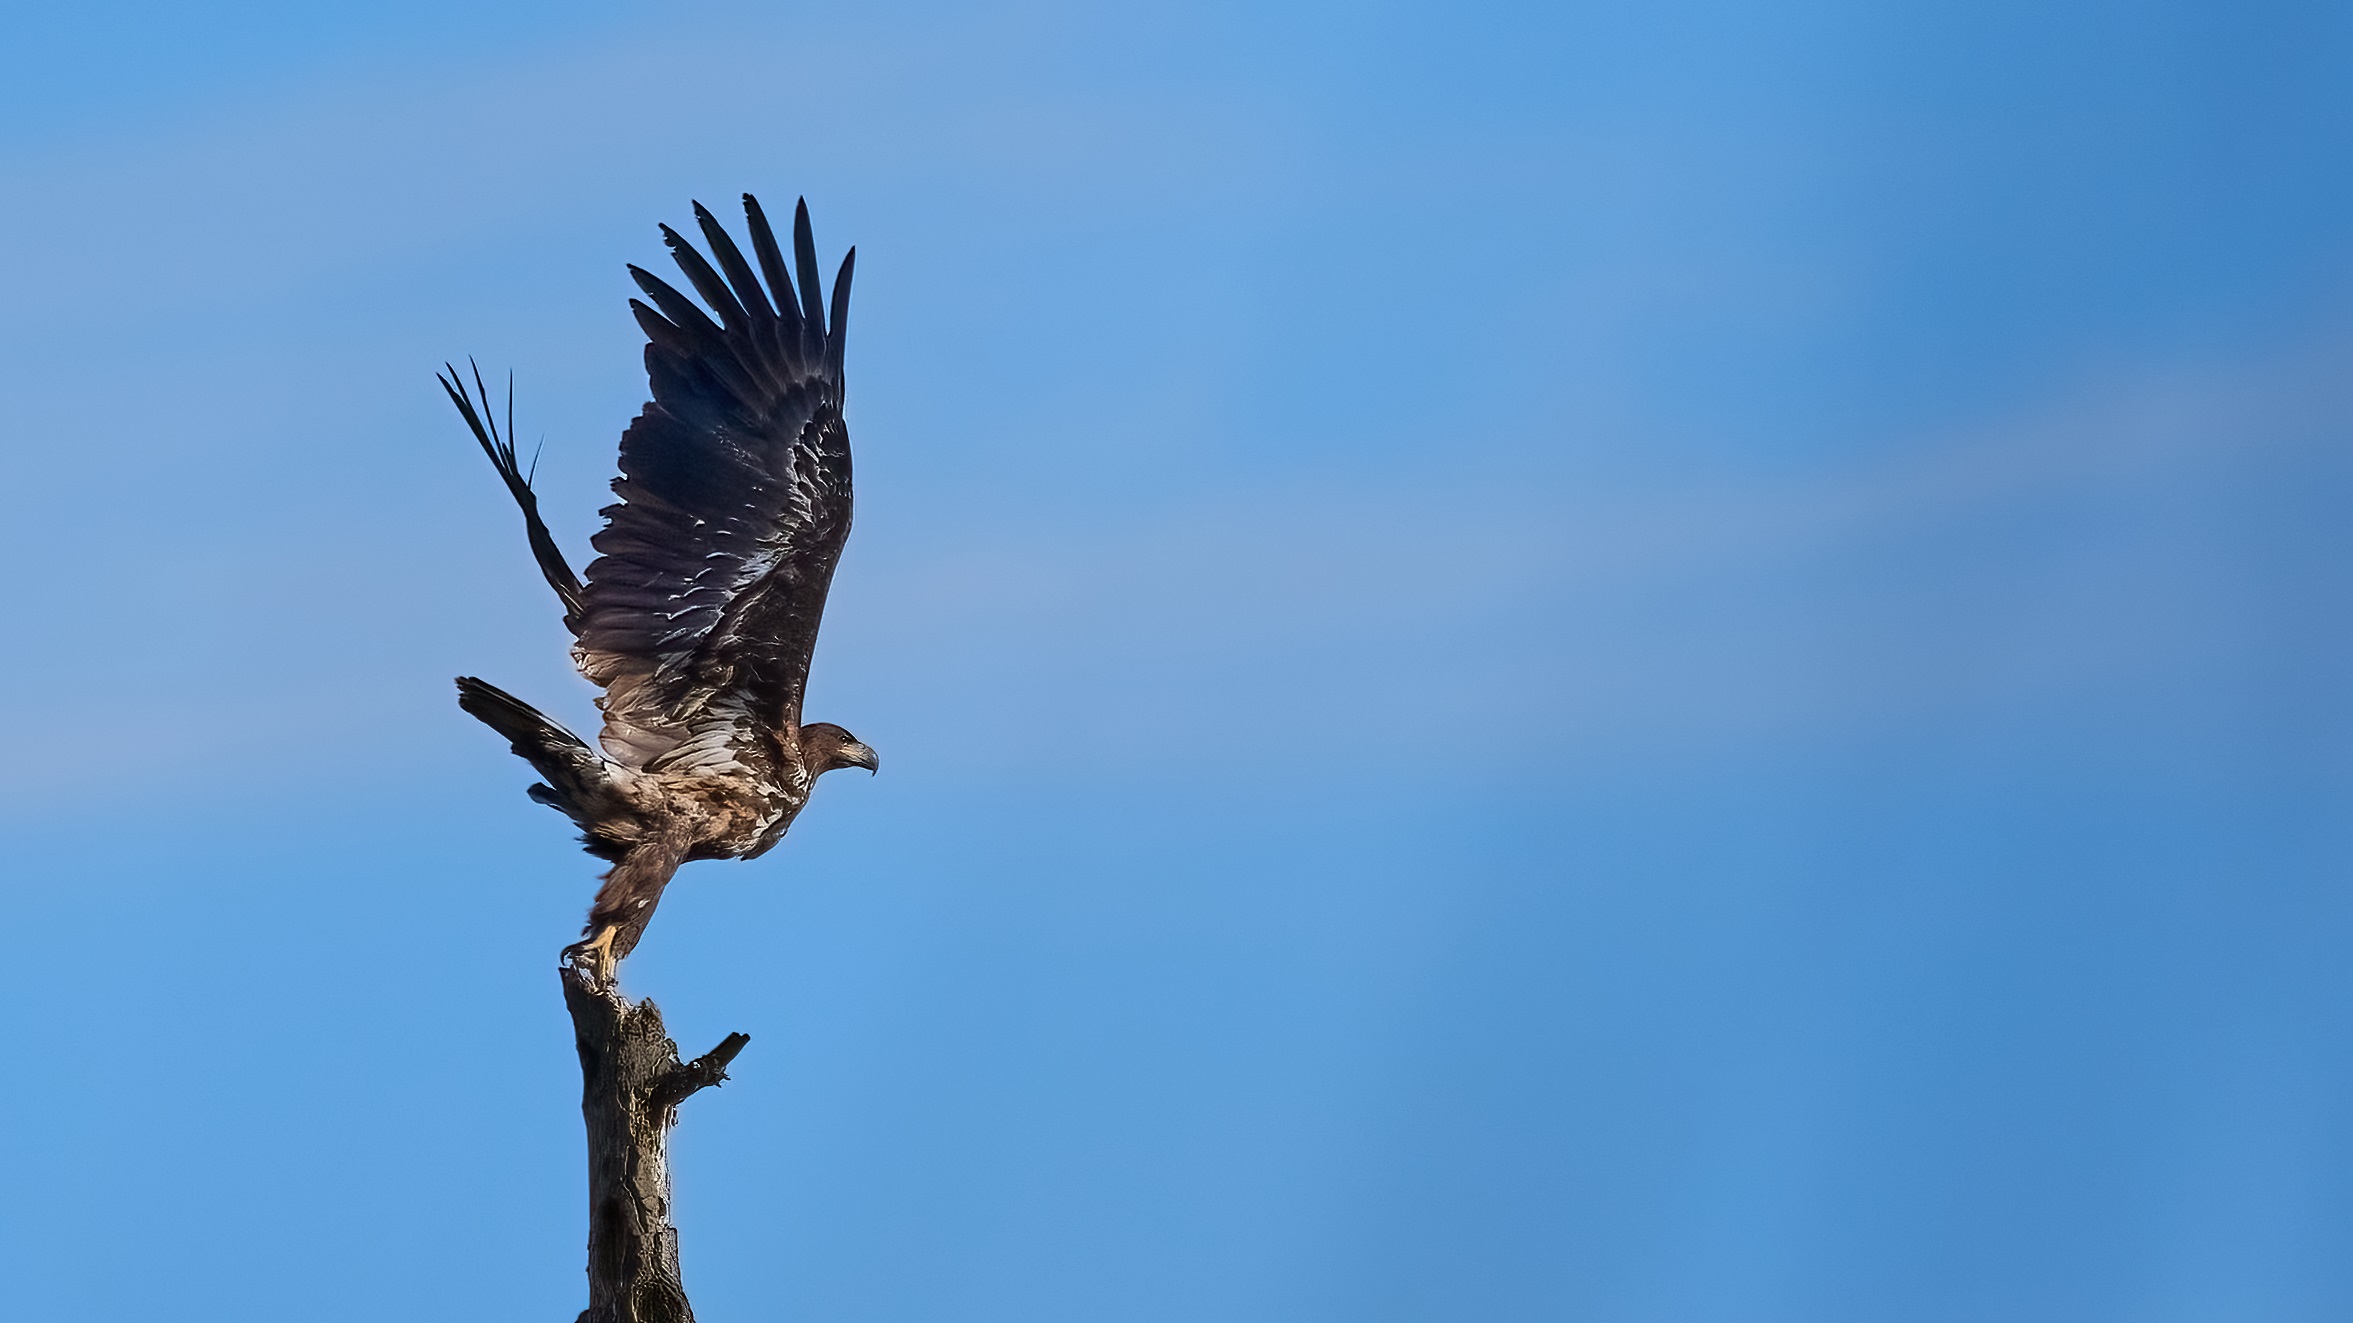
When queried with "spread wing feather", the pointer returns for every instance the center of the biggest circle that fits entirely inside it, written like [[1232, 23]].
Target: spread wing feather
[[700, 612], [501, 450]]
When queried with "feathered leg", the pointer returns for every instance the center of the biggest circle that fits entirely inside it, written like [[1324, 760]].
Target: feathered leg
[[625, 904]]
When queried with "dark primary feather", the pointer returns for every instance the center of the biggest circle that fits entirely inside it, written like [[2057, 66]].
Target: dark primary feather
[[805, 259], [772, 266], [501, 450], [701, 609], [730, 258]]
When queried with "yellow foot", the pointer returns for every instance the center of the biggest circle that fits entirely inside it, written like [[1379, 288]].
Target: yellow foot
[[598, 950]]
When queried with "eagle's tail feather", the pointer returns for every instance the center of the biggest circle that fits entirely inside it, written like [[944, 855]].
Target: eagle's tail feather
[[575, 773], [501, 450]]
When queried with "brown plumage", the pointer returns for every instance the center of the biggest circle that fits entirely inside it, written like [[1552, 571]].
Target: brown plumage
[[699, 616]]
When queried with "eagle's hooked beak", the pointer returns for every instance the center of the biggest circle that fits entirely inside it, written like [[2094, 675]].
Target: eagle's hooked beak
[[859, 755]]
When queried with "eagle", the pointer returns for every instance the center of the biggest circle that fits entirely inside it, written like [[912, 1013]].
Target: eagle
[[699, 615]]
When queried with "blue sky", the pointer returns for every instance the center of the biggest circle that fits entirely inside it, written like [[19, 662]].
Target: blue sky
[[1534, 662]]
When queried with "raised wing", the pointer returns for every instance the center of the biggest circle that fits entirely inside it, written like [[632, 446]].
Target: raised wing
[[701, 612], [501, 450]]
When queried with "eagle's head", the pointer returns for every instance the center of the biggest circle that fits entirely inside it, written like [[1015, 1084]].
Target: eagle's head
[[826, 747]]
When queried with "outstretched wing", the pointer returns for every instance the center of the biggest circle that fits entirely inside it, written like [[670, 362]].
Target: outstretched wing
[[501, 450], [701, 610]]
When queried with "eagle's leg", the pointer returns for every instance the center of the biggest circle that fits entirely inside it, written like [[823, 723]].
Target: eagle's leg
[[601, 947], [595, 954], [631, 890]]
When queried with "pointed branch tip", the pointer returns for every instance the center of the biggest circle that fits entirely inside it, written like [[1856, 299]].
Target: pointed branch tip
[[707, 1071]]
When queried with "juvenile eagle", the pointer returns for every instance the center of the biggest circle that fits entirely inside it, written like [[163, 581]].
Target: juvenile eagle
[[700, 611]]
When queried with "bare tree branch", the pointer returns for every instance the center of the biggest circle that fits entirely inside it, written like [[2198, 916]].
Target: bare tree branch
[[631, 1083]]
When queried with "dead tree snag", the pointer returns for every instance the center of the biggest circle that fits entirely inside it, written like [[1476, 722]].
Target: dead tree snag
[[631, 1083]]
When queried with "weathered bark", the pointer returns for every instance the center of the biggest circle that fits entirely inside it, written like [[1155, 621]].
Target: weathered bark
[[631, 1082]]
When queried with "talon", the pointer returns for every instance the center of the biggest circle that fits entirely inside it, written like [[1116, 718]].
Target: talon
[[608, 964], [600, 948]]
